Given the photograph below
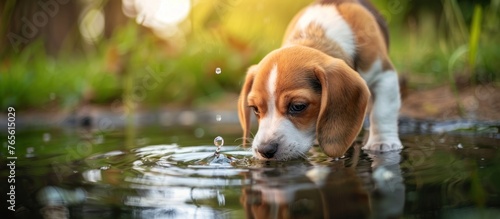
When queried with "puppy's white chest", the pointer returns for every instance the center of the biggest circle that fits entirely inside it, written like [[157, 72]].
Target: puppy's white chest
[[334, 25]]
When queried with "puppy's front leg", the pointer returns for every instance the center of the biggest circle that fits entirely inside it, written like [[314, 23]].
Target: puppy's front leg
[[384, 114]]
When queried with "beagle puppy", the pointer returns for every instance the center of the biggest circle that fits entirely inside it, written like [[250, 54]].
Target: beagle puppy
[[333, 63]]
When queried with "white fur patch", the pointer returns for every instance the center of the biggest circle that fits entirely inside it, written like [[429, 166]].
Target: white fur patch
[[271, 86], [385, 108], [336, 28]]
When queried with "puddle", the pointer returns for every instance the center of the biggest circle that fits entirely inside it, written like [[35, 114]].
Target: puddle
[[173, 174]]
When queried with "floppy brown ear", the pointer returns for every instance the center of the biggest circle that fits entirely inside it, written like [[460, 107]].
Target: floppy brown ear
[[243, 109], [344, 98]]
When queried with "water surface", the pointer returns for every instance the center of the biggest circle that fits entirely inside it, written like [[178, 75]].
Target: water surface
[[444, 171]]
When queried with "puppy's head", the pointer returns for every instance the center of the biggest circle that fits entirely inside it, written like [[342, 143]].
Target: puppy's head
[[299, 94]]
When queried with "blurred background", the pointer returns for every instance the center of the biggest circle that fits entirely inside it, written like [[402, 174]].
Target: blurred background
[[62, 54]]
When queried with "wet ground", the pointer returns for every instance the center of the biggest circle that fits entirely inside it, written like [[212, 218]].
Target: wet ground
[[446, 170]]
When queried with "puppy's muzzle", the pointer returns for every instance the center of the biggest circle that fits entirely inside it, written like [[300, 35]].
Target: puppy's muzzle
[[268, 150]]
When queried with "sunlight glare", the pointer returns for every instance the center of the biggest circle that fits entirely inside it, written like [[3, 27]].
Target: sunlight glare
[[157, 14], [173, 11]]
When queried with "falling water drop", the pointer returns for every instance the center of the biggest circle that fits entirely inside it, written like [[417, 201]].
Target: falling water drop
[[218, 70], [218, 118], [219, 141]]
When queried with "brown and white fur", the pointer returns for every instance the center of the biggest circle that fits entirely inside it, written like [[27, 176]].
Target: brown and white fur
[[317, 86]]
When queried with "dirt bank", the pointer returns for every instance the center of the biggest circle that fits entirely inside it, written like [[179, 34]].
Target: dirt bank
[[481, 102]]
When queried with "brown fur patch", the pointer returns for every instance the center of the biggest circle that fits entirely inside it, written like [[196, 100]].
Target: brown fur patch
[[370, 42]]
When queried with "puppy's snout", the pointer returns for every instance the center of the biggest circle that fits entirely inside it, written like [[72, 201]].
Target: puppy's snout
[[268, 150]]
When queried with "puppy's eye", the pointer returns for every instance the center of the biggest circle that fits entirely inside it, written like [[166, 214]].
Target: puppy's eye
[[255, 110], [296, 108]]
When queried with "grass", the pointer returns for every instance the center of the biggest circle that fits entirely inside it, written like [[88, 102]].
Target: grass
[[135, 66], [426, 51]]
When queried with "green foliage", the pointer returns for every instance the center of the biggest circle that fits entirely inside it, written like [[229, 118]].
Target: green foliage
[[31, 79], [474, 35], [232, 35], [459, 42]]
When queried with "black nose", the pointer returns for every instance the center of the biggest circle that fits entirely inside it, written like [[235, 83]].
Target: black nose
[[268, 150]]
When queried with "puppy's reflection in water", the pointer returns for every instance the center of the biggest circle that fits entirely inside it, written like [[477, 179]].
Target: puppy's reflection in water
[[388, 194], [327, 190]]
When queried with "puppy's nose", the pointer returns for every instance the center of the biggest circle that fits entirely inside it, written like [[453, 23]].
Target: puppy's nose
[[268, 150]]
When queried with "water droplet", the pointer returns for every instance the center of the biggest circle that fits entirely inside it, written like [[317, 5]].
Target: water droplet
[[219, 141], [46, 137], [218, 118], [218, 70]]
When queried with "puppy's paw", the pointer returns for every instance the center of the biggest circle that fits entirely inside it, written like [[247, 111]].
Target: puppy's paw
[[387, 145]]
